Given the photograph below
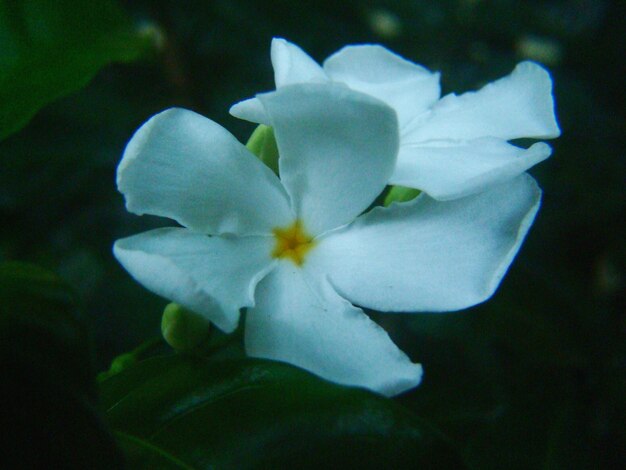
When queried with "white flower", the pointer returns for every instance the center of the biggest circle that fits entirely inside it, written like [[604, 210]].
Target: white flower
[[449, 147], [296, 251]]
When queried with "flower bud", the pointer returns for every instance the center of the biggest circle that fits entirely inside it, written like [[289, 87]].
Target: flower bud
[[183, 329], [262, 143]]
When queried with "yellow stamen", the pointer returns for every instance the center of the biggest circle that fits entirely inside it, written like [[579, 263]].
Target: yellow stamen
[[292, 242]]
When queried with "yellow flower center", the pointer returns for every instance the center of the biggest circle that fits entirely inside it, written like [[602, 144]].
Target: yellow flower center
[[292, 242]]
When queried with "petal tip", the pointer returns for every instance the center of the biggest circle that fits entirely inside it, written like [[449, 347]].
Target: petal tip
[[541, 150], [240, 110], [278, 42], [412, 379], [525, 182], [541, 83]]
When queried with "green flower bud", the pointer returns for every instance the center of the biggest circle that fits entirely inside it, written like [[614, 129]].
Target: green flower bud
[[400, 194], [262, 143], [122, 361], [183, 329], [118, 364], [126, 360]]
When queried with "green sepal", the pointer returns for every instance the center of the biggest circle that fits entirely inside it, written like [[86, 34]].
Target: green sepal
[[262, 143], [400, 194]]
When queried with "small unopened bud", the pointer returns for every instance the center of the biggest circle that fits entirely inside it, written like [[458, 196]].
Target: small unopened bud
[[183, 329], [122, 362], [262, 143]]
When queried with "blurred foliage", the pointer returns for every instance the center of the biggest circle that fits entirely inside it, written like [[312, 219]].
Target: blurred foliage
[[535, 377], [50, 49], [48, 417]]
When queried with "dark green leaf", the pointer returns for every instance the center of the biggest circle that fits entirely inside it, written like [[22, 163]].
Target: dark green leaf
[[47, 387], [50, 49], [189, 411]]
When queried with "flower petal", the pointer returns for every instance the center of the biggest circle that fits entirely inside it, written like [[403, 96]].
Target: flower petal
[[250, 110], [450, 169], [518, 105], [372, 69], [305, 323], [186, 167], [212, 276], [337, 150], [293, 65], [426, 255]]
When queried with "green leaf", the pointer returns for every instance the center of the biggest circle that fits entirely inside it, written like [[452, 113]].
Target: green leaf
[[262, 143], [192, 412], [50, 49], [400, 194], [48, 390]]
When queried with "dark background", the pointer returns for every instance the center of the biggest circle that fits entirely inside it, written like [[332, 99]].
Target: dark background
[[534, 378]]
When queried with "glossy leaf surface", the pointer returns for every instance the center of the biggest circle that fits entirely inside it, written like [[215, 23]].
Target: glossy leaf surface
[[188, 411]]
